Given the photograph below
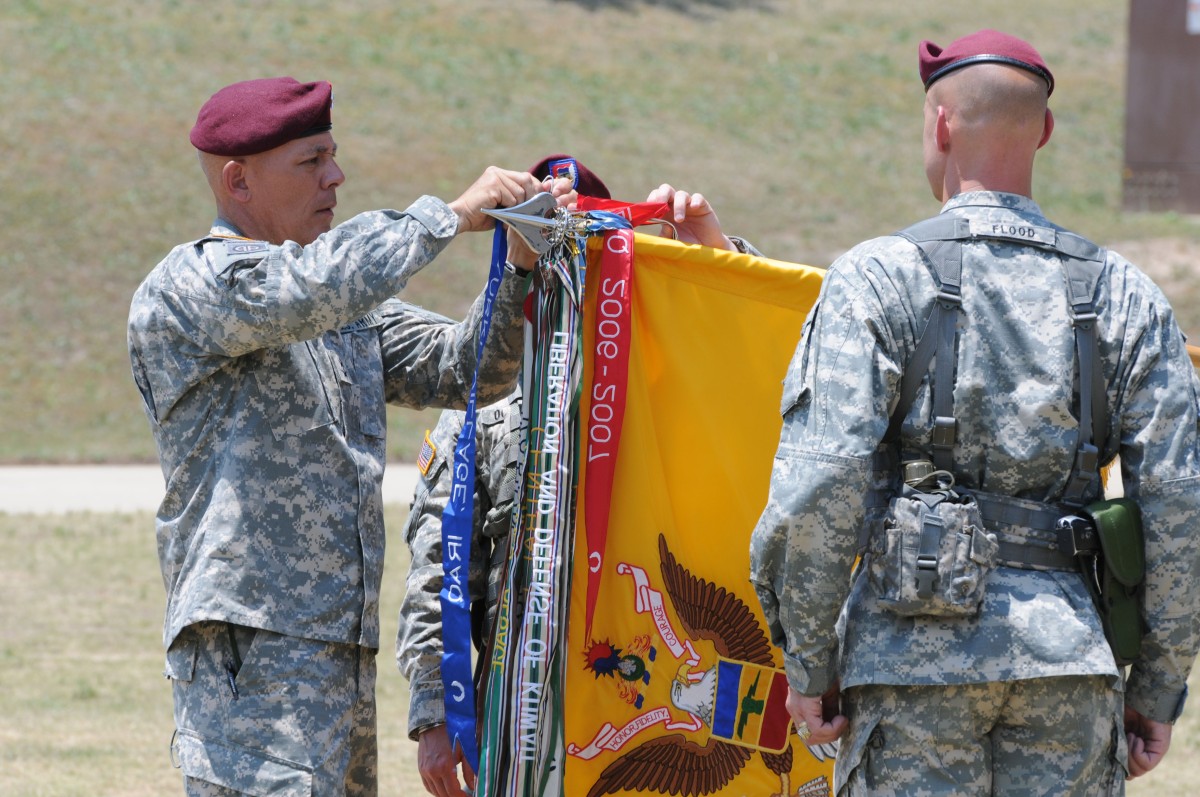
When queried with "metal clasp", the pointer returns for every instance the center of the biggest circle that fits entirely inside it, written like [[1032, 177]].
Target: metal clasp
[[1077, 533]]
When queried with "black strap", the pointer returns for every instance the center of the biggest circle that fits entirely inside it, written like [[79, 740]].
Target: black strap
[[1082, 277], [949, 299], [943, 320]]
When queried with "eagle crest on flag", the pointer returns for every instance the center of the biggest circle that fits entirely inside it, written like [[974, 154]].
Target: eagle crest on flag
[[740, 699]]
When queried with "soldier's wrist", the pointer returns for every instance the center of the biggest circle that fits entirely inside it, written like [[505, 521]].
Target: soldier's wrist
[[421, 731]]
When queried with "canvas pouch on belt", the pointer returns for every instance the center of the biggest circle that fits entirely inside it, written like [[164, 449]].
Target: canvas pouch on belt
[[932, 555]]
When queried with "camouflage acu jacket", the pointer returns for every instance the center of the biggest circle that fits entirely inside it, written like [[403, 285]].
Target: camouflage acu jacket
[[264, 371], [1015, 399], [498, 461]]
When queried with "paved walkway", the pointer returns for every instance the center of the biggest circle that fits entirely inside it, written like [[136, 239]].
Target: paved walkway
[[49, 489]]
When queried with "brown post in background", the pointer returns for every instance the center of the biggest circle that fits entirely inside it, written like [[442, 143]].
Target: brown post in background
[[1162, 107]]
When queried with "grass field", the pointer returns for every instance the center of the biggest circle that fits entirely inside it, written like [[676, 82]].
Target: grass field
[[800, 119], [84, 708]]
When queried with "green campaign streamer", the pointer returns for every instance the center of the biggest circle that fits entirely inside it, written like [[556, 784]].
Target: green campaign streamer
[[522, 747], [522, 741]]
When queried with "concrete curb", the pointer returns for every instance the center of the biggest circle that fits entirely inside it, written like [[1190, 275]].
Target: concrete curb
[[56, 489]]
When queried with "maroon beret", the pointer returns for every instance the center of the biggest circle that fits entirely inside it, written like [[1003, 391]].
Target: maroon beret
[[585, 181], [257, 115], [985, 46]]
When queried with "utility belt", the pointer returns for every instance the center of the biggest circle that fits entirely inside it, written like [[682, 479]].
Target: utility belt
[[1030, 535], [935, 546], [1035, 536]]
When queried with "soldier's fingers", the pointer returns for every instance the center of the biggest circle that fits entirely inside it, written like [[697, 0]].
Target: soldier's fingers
[[661, 194], [501, 190], [680, 205], [468, 776], [561, 188], [496, 187], [1139, 761], [434, 784], [519, 186]]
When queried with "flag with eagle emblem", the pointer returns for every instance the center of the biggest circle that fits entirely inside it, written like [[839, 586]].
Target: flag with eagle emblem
[[677, 690]]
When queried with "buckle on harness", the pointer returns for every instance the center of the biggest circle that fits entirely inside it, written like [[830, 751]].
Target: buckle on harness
[[950, 299], [932, 529], [1087, 461], [944, 432]]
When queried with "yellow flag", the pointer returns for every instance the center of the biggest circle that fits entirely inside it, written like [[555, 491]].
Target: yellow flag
[[678, 690]]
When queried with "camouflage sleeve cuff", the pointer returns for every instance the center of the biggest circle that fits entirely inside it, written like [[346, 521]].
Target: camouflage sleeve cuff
[[806, 681], [435, 215], [1156, 704], [426, 708], [744, 246]]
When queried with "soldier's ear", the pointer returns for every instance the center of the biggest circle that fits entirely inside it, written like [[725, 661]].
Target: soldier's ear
[[941, 130], [1049, 128], [233, 179]]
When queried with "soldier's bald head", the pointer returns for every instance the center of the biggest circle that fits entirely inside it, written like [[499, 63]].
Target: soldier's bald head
[[993, 96], [986, 114]]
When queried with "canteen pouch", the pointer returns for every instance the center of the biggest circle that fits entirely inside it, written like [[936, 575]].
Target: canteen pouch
[[932, 555], [1115, 576]]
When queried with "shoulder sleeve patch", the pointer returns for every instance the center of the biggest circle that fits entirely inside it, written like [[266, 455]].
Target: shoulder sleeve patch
[[228, 254], [239, 248], [427, 455]]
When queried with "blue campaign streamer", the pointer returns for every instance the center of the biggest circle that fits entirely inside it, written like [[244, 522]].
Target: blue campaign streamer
[[599, 220], [457, 526]]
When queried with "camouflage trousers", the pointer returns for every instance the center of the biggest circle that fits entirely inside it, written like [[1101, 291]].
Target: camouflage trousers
[[1060, 736], [261, 713]]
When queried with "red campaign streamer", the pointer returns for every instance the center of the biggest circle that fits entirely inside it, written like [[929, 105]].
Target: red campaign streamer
[[609, 383], [638, 213]]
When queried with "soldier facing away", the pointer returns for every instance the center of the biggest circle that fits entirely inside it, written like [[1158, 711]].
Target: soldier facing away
[[1021, 694]]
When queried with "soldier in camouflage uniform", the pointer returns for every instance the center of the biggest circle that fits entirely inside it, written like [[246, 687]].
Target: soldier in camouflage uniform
[[1025, 697], [498, 464], [264, 353]]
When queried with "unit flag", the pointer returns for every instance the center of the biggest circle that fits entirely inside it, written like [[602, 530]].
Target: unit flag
[[653, 406]]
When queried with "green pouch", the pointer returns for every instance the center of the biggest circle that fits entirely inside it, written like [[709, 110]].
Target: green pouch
[[1115, 576]]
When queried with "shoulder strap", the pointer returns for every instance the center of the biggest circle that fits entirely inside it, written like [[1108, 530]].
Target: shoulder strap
[[1083, 275], [940, 242]]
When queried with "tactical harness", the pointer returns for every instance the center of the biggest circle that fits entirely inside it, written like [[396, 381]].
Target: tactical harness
[[940, 241], [1104, 538]]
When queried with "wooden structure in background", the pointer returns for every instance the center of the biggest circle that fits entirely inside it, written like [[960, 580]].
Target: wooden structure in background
[[1162, 107]]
